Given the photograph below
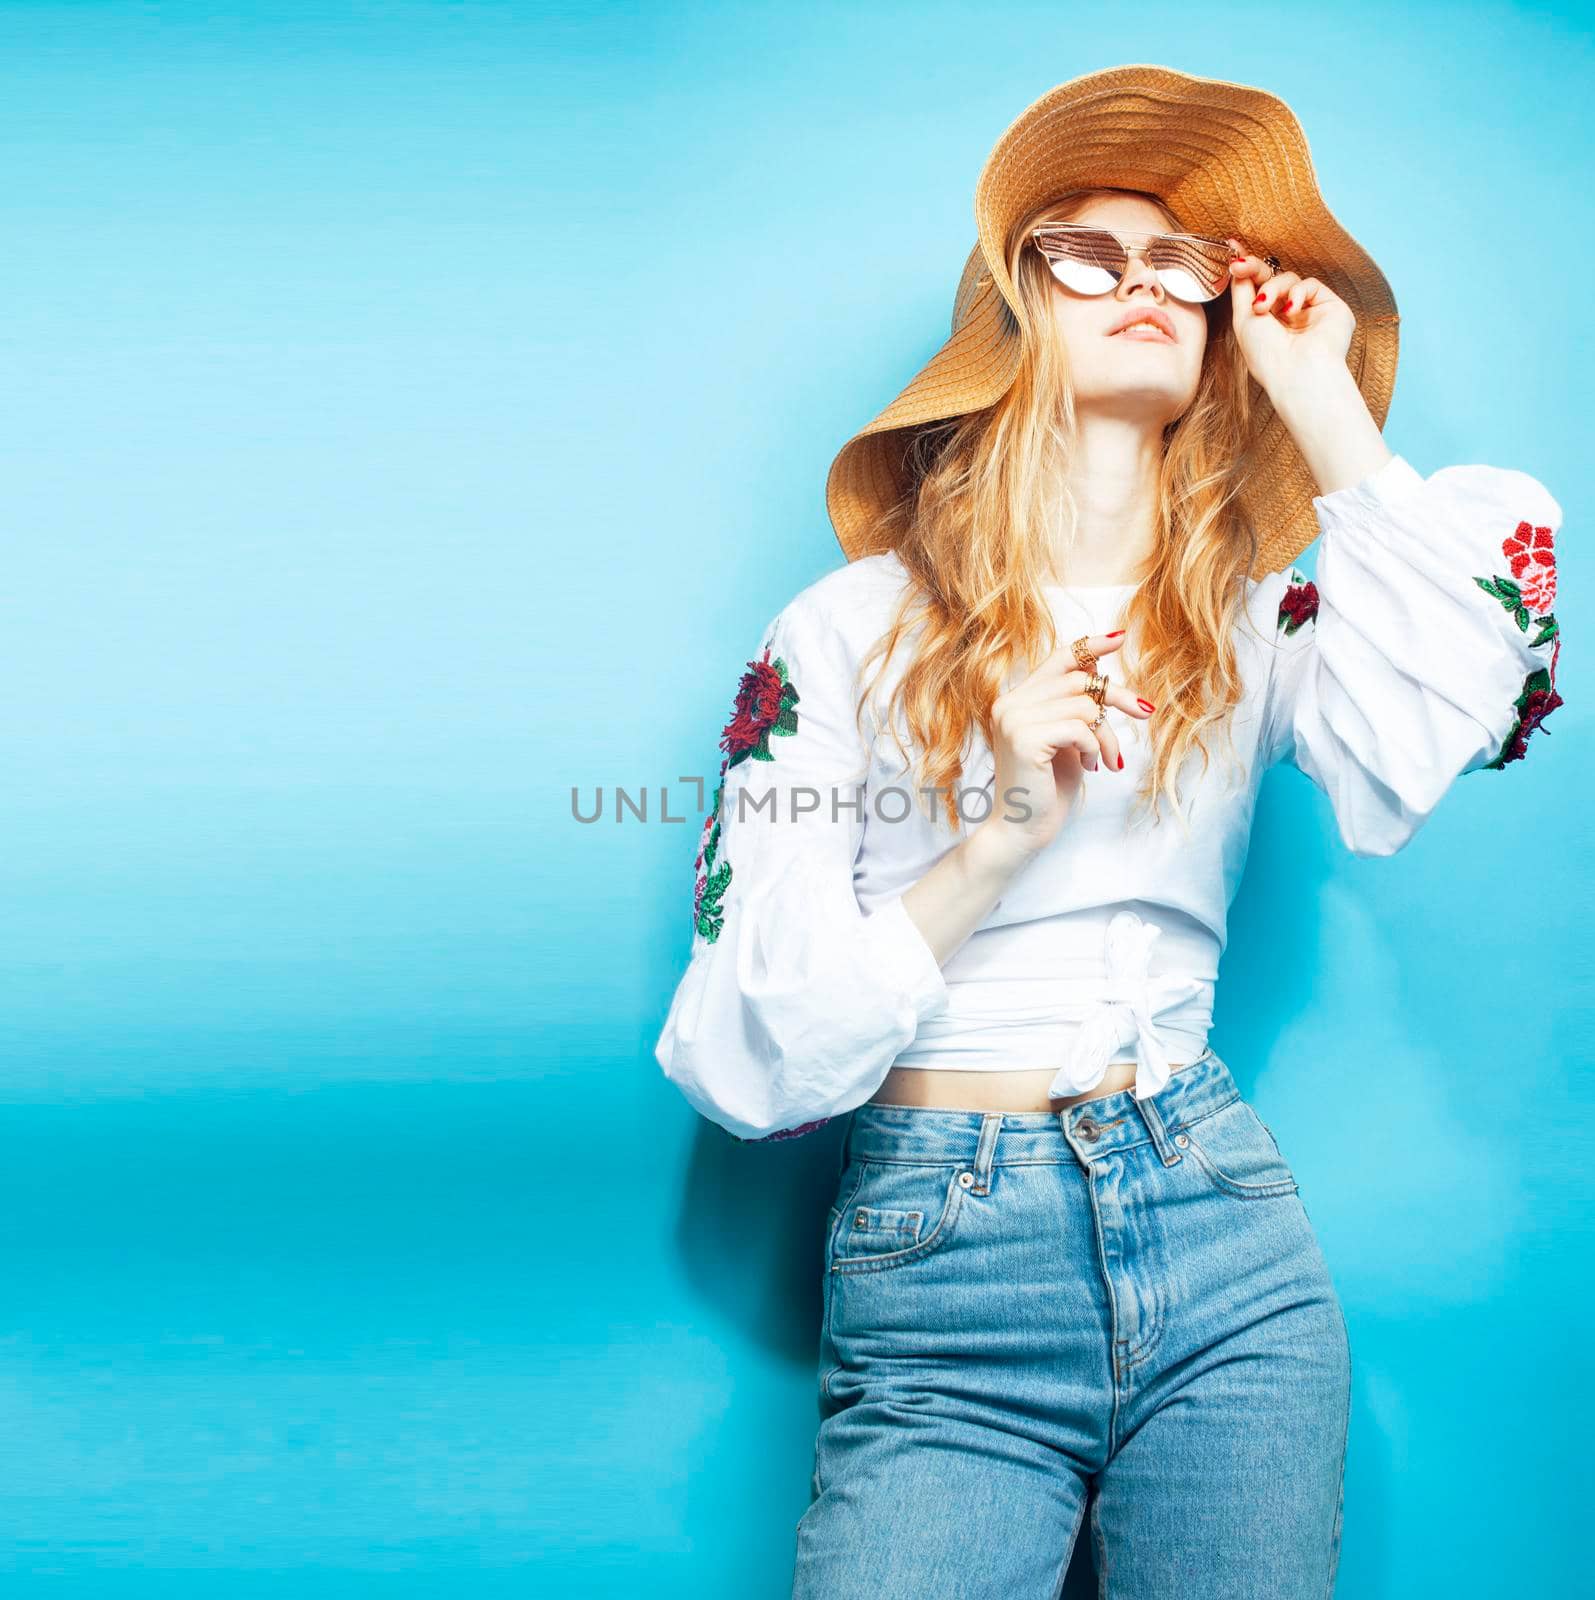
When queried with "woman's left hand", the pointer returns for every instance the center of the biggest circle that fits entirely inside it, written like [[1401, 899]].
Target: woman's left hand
[[1288, 327]]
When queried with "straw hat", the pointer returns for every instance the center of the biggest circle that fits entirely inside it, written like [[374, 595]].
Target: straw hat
[[1227, 159]]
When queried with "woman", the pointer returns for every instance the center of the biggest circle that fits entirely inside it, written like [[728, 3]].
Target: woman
[[1068, 1271]]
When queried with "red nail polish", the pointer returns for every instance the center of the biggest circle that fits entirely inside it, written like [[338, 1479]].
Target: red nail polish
[[1258, 298], [1117, 633], [1287, 305], [1121, 763], [1145, 704]]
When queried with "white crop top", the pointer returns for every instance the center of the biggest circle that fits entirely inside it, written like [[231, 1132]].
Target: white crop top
[[1425, 649]]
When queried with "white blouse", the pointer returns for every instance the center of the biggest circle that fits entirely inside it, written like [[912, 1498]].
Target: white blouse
[[1425, 649]]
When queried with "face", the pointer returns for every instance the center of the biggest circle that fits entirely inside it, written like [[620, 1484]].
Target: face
[[1139, 376]]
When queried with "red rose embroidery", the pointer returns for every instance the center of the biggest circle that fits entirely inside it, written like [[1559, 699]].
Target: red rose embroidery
[[1528, 552], [1531, 589], [1299, 604], [1532, 586], [1534, 705], [765, 698]]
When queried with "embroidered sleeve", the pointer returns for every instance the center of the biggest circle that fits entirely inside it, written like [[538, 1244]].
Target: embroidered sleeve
[[794, 1003], [1424, 649]]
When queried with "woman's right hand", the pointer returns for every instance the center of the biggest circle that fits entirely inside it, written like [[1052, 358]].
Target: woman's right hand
[[1043, 746]]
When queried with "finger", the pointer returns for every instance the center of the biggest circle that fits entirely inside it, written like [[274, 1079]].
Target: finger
[[1246, 268], [1084, 708], [1071, 695], [1069, 762], [1072, 699], [1062, 661], [1097, 644], [1112, 757], [1308, 293], [1277, 288], [1039, 737], [1076, 735]]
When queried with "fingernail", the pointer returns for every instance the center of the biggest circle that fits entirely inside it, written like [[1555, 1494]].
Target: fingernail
[[1121, 763], [1117, 633], [1146, 705], [1287, 305], [1257, 300]]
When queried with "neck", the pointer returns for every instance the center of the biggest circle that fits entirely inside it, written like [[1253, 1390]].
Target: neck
[[1114, 480]]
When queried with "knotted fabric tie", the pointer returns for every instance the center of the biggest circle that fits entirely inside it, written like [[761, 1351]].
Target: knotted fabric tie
[[1131, 996]]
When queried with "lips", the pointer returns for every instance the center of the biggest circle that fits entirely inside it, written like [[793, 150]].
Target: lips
[[1142, 332], [1142, 315]]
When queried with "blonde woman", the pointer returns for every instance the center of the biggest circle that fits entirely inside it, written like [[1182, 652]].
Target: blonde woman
[[985, 801]]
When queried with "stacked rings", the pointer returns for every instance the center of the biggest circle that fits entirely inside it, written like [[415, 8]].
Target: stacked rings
[[1096, 684]]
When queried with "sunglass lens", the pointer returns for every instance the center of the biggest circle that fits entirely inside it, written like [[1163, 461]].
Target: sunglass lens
[[1087, 261], [1189, 269]]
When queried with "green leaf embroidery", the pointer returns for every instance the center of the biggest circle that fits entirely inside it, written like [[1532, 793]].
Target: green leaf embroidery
[[711, 916]]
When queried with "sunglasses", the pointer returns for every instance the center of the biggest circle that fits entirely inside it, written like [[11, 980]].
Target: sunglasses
[[1091, 259]]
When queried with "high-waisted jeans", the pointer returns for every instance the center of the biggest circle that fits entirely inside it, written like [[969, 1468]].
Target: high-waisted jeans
[[1118, 1312]]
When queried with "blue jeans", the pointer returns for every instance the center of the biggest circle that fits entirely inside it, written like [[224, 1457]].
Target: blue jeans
[[1119, 1311]]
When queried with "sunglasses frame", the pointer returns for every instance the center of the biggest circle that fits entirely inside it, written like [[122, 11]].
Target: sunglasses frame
[[1146, 238]]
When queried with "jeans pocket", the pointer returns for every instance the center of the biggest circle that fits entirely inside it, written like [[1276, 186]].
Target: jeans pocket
[[1238, 1153], [896, 1213]]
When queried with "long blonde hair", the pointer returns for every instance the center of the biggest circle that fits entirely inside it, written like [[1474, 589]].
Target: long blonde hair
[[974, 532]]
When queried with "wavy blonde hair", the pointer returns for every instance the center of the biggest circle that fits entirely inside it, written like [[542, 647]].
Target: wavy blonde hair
[[974, 532]]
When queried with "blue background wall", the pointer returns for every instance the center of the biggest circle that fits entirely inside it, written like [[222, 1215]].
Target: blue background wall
[[414, 411]]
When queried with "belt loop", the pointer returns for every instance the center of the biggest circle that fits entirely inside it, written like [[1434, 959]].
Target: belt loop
[[1154, 1124], [986, 1152]]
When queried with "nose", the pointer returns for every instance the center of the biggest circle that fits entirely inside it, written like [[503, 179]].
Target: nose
[[1139, 274]]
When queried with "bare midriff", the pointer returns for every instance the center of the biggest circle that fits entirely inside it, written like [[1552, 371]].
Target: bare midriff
[[1020, 1090]]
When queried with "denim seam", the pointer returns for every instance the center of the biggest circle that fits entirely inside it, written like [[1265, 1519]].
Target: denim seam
[[1113, 1311], [877, 1160], [852, 1194], [1068, 1556], [1153, 1330], [1212, 1111], [830, 1255], [932, 1242], [828, 1341], [1275, 1188], [1345, 1437], [1100, 1541]]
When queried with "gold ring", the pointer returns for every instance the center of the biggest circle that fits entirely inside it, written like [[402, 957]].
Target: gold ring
[[1086, 661]]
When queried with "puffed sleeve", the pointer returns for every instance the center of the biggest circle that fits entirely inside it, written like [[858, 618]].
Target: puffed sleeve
[[1425, 648], [794, 1002]]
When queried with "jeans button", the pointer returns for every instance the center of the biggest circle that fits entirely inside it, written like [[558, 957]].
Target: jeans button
[[1087, 1128]]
